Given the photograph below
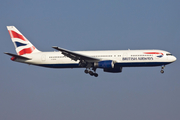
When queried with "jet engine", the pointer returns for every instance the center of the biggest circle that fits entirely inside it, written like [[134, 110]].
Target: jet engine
[[104, 64]]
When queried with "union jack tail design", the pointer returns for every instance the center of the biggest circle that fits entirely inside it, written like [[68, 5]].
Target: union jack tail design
[[22, 45]]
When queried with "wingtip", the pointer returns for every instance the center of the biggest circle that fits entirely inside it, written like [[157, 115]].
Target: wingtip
[[6, 53]]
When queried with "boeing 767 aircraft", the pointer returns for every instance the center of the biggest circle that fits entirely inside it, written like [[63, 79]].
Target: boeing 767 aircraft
[[109, 60]]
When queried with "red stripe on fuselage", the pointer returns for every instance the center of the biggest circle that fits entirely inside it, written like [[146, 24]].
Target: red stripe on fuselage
[[14, 34], [153, 53], [26, 51]]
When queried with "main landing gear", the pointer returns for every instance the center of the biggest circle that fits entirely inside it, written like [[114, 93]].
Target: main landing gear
[[88, 66], [91, 72], [162, 69]]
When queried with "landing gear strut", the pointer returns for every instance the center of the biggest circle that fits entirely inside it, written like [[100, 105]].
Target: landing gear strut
[[91, 72], [162, 69]]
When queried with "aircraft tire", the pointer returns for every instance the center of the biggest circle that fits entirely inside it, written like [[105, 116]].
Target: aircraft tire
[[86, 71], [91, 73], [162, 71], [95, 74]]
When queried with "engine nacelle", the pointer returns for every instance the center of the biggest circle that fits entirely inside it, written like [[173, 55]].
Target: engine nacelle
[[113, 70], [104, 64]]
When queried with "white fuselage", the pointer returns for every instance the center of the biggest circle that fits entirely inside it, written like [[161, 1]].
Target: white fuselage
[[109, 60], [122, 58]]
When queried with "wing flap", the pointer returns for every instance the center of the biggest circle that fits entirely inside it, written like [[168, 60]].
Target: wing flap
[[76, 56]]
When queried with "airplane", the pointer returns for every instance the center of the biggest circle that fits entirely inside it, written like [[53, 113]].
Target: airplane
[[109, 60]]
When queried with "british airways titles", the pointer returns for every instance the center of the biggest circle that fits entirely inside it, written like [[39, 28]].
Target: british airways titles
[[136, 58]]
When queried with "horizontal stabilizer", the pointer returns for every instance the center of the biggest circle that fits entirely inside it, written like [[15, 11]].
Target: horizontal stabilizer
[[17, 56]]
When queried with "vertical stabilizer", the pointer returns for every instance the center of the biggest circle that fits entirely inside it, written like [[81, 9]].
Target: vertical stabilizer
[[22, 45]]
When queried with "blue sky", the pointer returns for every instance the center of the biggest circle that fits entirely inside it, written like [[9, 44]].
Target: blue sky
[[34, 93]]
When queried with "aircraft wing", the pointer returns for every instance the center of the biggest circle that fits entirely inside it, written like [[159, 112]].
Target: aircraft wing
[[76, 56], [18, 56]]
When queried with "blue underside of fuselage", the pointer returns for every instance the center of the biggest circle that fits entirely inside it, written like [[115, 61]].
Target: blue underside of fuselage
[[138, 64]]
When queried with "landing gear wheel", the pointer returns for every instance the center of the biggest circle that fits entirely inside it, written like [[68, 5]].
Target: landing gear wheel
[[91, 73], [86, 71], [95, 74], [162, 71]]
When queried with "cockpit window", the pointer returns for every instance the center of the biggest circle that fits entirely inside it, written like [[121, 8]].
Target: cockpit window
[[169, 54]]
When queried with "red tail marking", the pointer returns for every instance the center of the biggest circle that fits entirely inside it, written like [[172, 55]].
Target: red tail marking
[[14, 34], [26, 51]]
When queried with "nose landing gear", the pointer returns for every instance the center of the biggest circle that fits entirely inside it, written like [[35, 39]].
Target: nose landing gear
[[162, 69]]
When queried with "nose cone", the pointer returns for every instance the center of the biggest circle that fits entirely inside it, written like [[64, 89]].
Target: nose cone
[[174, 59]]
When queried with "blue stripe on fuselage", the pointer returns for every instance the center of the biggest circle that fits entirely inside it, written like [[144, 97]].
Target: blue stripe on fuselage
[[60, 65], [138, 64], [142, 64]]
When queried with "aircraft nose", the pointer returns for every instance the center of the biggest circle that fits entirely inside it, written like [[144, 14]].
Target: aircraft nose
[[174, 58]]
